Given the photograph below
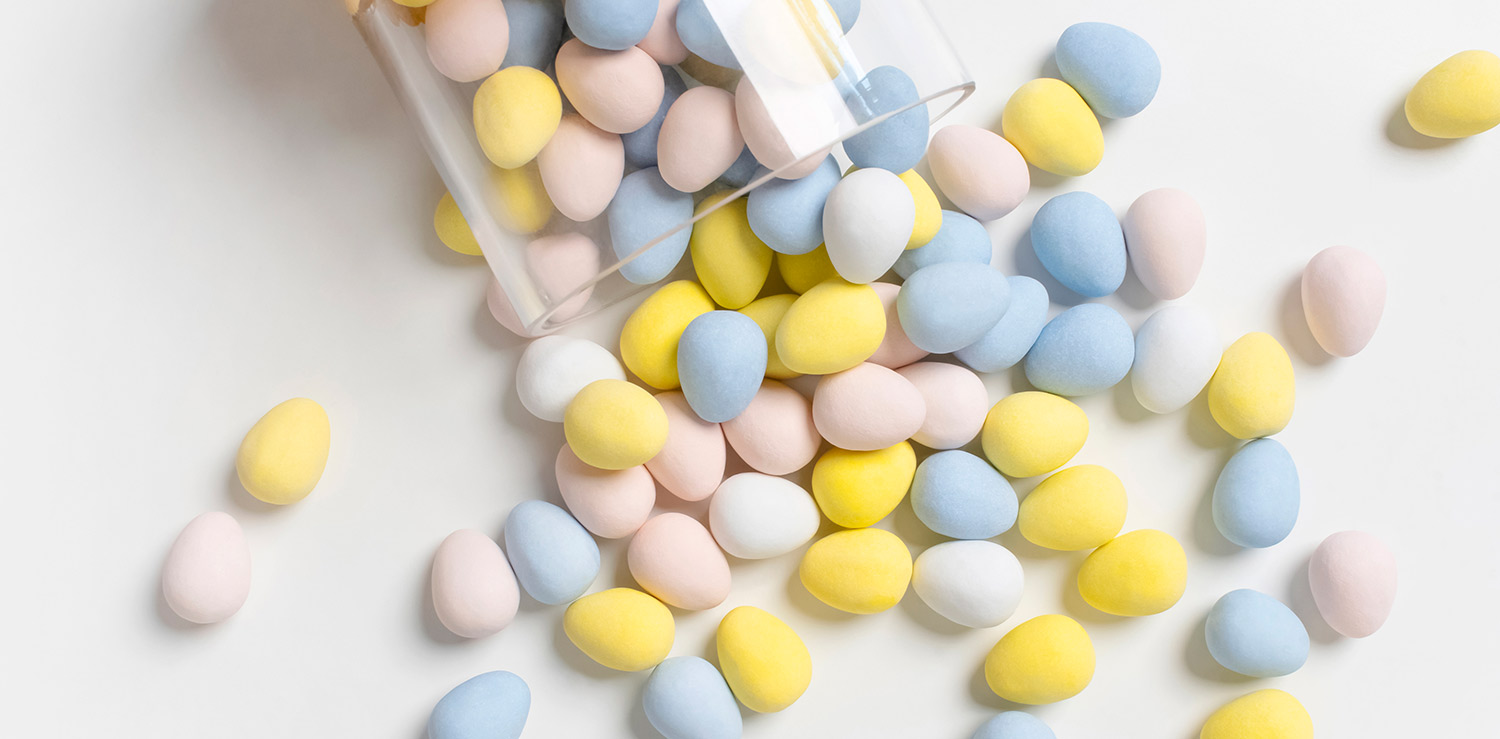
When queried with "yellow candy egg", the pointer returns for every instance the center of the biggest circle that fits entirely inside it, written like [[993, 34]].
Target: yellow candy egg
[[620, 628], [765, 663], [858, 571], [415, 3], [614, 425], [1078, 508], [1135, 574], [929, 211], [1458, 98], [282, 457], [831, 328], [857, 489], [803, 272], [1253, 391], [1033, 433], [516, 111], [452, 229], [767, 313], [648, 341], [1264, 714], [521, 203], [1044, 660], [731, 261], [1053, 128]]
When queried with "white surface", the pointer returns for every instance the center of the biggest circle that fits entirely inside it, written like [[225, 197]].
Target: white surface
[[210, 207]]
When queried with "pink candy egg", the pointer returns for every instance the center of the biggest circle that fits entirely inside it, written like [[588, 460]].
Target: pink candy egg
[[699, 139], [1353, 579], [896, 350], [1343, 297], [1165, 236], [956, 402], [775, 434], [474, 591], [866, 408], [503, 312], [609, 503], [618, 91], [561, 262], [979, 171], [662, 41], [764, 138], [581, 167], [206, 576], [674, 558], [467, 39], [691, 465]]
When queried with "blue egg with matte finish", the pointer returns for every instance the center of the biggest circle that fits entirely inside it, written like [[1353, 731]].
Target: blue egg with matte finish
[[644, 208], [701, 35], [959, 239], [686, 698], [1115, 71], [554, 556], [788, 214], [1014, 725], [950, 305], [1254, 634], [1079, 241], [536, 28], [847, 11], [743, 171], [959, 495], [898, 142], [1003, 346], [490, 706], [613, 25], [1084, 350], [640, 144], [1257, 496], [721, 359]]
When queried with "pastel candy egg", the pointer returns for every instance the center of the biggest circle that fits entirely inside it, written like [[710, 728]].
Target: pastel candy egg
[[756, 516], [620, 628], [536, 28], [1078, 508], [554, 558], [803, 272], [609, 503], [675, 559], [929, 216], [1140, 573], [1166, 236], [948, 306], [516, 112], [764, 137], [956, 402], [641, 144], [705, 72], [517, 195], [563, 264], [554, 368], [742, 171], [1116, 71], [1257, 495], [1086, 349], [581, 167], [1079, 242], [767, 314], [857, 489], [959, 495], [493, 705], [691, 464], [612, 424], [1458, 98], [686, 698], [832, 327], [700, 139], [1253, 390], [721, 360], [1176, 352], [1343, 295], [1264, 714], [788, 214], [1353, 579], [645, 208], [206, 576], [857, 571], [1053, 128], [501, 309], [971, 583], [452, 229], [730, 260], [662, 41], [650, 337], [847, 11], [867, 407], [896, 349], [467, 39], [1014, 725], [473, 589], [1254, 634], [764, 661], [1044, 660], [610, 24], [700, 33], [959, 239], [283, 455], [618, 91], [867, 220], [1008, 341], [979, 171], [775, 434], [896, 143], [1033, 433]]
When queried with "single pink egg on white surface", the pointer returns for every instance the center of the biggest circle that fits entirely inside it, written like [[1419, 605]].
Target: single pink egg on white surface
[[775, 434], [618, 91], [896, 350], [609, 503], [957, 403], [474, 591], [699, 139], [867, 407], [1166, 237], [1353, 579], [467, 39], [980, 172], [691, 465], [674, 558], [1343, 298], [581, 167], [206, 576]]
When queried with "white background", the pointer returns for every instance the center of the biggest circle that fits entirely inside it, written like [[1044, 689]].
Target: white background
[[210, 207]]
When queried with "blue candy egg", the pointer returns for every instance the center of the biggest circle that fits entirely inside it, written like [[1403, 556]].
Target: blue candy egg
[[536, 28], [959, 239], [950, 305], [645, 206], [788, 214], [847, 11], [744, 169], [721, 360], [554, 556], [898, 142], [640, 144], [686, 698], [959, 495], [490, 706], [1115, 71], [1079, 241], [613, 25], [1008, 341], [701, 35], [1014, 725], [1084, 350], [1257, 495], [1254, 634]]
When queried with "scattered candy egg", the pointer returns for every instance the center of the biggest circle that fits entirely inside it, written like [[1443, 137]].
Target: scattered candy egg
[[858, 571], [1084, 350], [640, 144], [675, 559], [767, 313], [1253, 391], [691, 464], [834, 326], [775, 434], [1014, 725], [959, 239], [609, 503], [612, 424], [1343, 295], [1033, 433], [1140, 573], [553, 556], [610, 24], [929, 213], [1053, 128], [803, 272], [517, 196], [956, 402], [283, 455], [686, 698], [788, 214], [1269, 713], [645, 208], [452, 229], [581, 168], [467, 39], [959, 495], [473, 589], [979, 171], [948, 306], [493, 705], [757, 516], [1116, 71], [764, 137], [1254, 634], [1079, 242], [662, 41], [1458, 98], [857, 489], [1166, 236], [650, 336], [1176, 352], [206, 576], [1353, 579], [731, 262], [721, 360], [867, 407], [700, 33], [620, 628], [516, 111], [536, 28], [1078, 508], [562, 263], [895, 144], [700, 139], [554, 368], [896, 350], [618, 91], [971, 583], [1257, 495], [1044, 660], [867, 220], [764, 661], [1008, 341]]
